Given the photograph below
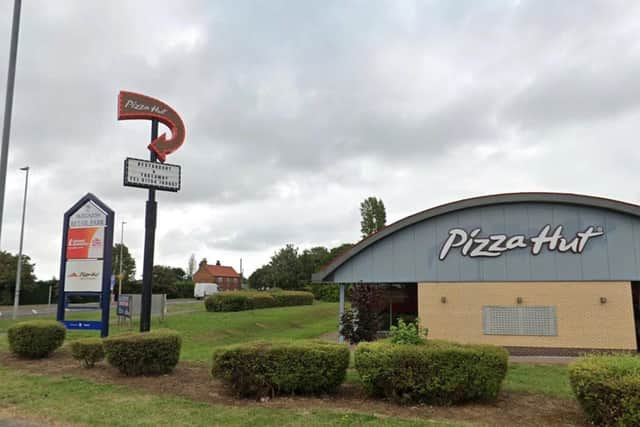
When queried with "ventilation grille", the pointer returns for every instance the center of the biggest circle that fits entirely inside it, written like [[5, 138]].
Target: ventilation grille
[[516, 320]]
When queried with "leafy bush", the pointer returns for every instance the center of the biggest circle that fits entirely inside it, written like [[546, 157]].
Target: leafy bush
[[608, 388], [436, 372], [291, 298], [328, 292], [261, 300], [155, 352], [36, 338], [228, 301], [407, 333], [266, 369], [362, 322], [88, 351], [247, 300]]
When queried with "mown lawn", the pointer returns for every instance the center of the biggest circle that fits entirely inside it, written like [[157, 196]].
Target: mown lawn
[[203, 331], [551, 380], [72, 400]]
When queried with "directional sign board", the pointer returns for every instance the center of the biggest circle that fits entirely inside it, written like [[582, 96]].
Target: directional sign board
[[146, 174]]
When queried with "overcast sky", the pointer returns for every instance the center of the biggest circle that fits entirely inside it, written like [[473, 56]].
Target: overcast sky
[[297, 110]]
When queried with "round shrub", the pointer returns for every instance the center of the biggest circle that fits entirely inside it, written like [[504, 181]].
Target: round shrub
[[36, 338], [88, 351], [147, 353], [265, 369], [435, 372], [608, 388]]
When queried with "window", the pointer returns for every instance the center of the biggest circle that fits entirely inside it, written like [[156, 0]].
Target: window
[[235, 280], [517, 320], [219, 280]]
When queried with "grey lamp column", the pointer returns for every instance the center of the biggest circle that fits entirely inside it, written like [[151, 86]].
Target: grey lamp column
[[16, 297]]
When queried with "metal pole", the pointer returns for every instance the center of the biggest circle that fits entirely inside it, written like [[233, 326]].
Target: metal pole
[[121, 246], [151, 211], [340, 336], [8, 106], [16, 297], [50, 289]]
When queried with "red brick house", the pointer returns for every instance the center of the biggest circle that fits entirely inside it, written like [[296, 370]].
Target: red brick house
[[224, 276]]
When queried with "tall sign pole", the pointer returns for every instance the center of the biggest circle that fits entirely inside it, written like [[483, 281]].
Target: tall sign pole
[[150, 219], [8, 105], [152, 175]]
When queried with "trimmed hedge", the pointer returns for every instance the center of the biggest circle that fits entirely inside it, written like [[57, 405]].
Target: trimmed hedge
[[147, 353], [291, 298], [247, 300], [36, 338], [608, 388], [437, 372], [88, 351], [267, 369]]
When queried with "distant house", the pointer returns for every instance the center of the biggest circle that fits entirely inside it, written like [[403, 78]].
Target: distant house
[[224, 276]]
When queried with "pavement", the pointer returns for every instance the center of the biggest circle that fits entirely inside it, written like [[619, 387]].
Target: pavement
[[6, 311]]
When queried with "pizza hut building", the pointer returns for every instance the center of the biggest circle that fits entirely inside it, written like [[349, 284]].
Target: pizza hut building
[[537, 273]]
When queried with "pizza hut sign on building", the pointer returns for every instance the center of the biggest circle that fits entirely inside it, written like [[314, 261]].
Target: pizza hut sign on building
[[473, 244]]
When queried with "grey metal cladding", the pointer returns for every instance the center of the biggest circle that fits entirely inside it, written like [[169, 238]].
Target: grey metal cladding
[[408, 250]]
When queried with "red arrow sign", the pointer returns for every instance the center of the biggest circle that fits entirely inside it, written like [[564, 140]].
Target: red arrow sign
[[134, 106]]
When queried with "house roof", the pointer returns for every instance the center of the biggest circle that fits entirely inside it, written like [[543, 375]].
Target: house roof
[[222, 271]]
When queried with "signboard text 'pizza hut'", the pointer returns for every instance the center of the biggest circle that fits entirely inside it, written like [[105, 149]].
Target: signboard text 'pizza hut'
[[472, 245]]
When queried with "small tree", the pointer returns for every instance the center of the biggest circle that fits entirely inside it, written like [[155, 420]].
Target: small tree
[[373, 216], [362, 322], [191, 267], [164, 280]]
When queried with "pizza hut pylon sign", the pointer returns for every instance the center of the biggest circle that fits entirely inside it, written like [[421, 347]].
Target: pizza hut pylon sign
[[150, 174], [134, 106]]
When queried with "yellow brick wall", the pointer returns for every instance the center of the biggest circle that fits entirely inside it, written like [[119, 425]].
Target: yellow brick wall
[[582, 321]]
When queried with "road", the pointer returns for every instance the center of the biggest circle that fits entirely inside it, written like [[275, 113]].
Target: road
[[6, 311]]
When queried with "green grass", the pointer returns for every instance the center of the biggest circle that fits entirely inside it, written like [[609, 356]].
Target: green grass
[[71, 400], [203, 331], [551, 380]]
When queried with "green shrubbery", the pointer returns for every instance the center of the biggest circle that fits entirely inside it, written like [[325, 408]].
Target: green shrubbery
[[291, 298], [155, 352], [265, 369], [608, 388], [36, 338], [247, 300], [407, 333], [328, 292], [435, 372], [88, 351]]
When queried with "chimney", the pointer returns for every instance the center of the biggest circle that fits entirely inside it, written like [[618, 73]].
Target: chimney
[[202, 263], [218, 262]]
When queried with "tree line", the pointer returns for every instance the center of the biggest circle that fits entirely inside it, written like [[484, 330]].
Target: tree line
[[289, 268]]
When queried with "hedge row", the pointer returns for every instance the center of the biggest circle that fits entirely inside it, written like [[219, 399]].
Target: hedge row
[[36, 339], [265, 369], [436, 372], [608, 388], [244, 300], [155, 352]]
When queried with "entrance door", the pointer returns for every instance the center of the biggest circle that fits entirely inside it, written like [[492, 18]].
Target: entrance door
[[635, 292]]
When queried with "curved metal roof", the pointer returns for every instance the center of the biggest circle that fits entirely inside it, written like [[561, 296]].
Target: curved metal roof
[[496, 199]]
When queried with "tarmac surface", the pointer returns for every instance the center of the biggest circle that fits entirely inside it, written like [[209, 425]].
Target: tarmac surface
[[6, 311]]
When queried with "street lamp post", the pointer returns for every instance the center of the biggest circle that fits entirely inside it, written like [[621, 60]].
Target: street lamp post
[[16, 297], [8, 104], [121, 247]]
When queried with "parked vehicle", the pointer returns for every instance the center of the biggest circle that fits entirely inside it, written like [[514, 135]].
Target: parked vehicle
[[201, 290]]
